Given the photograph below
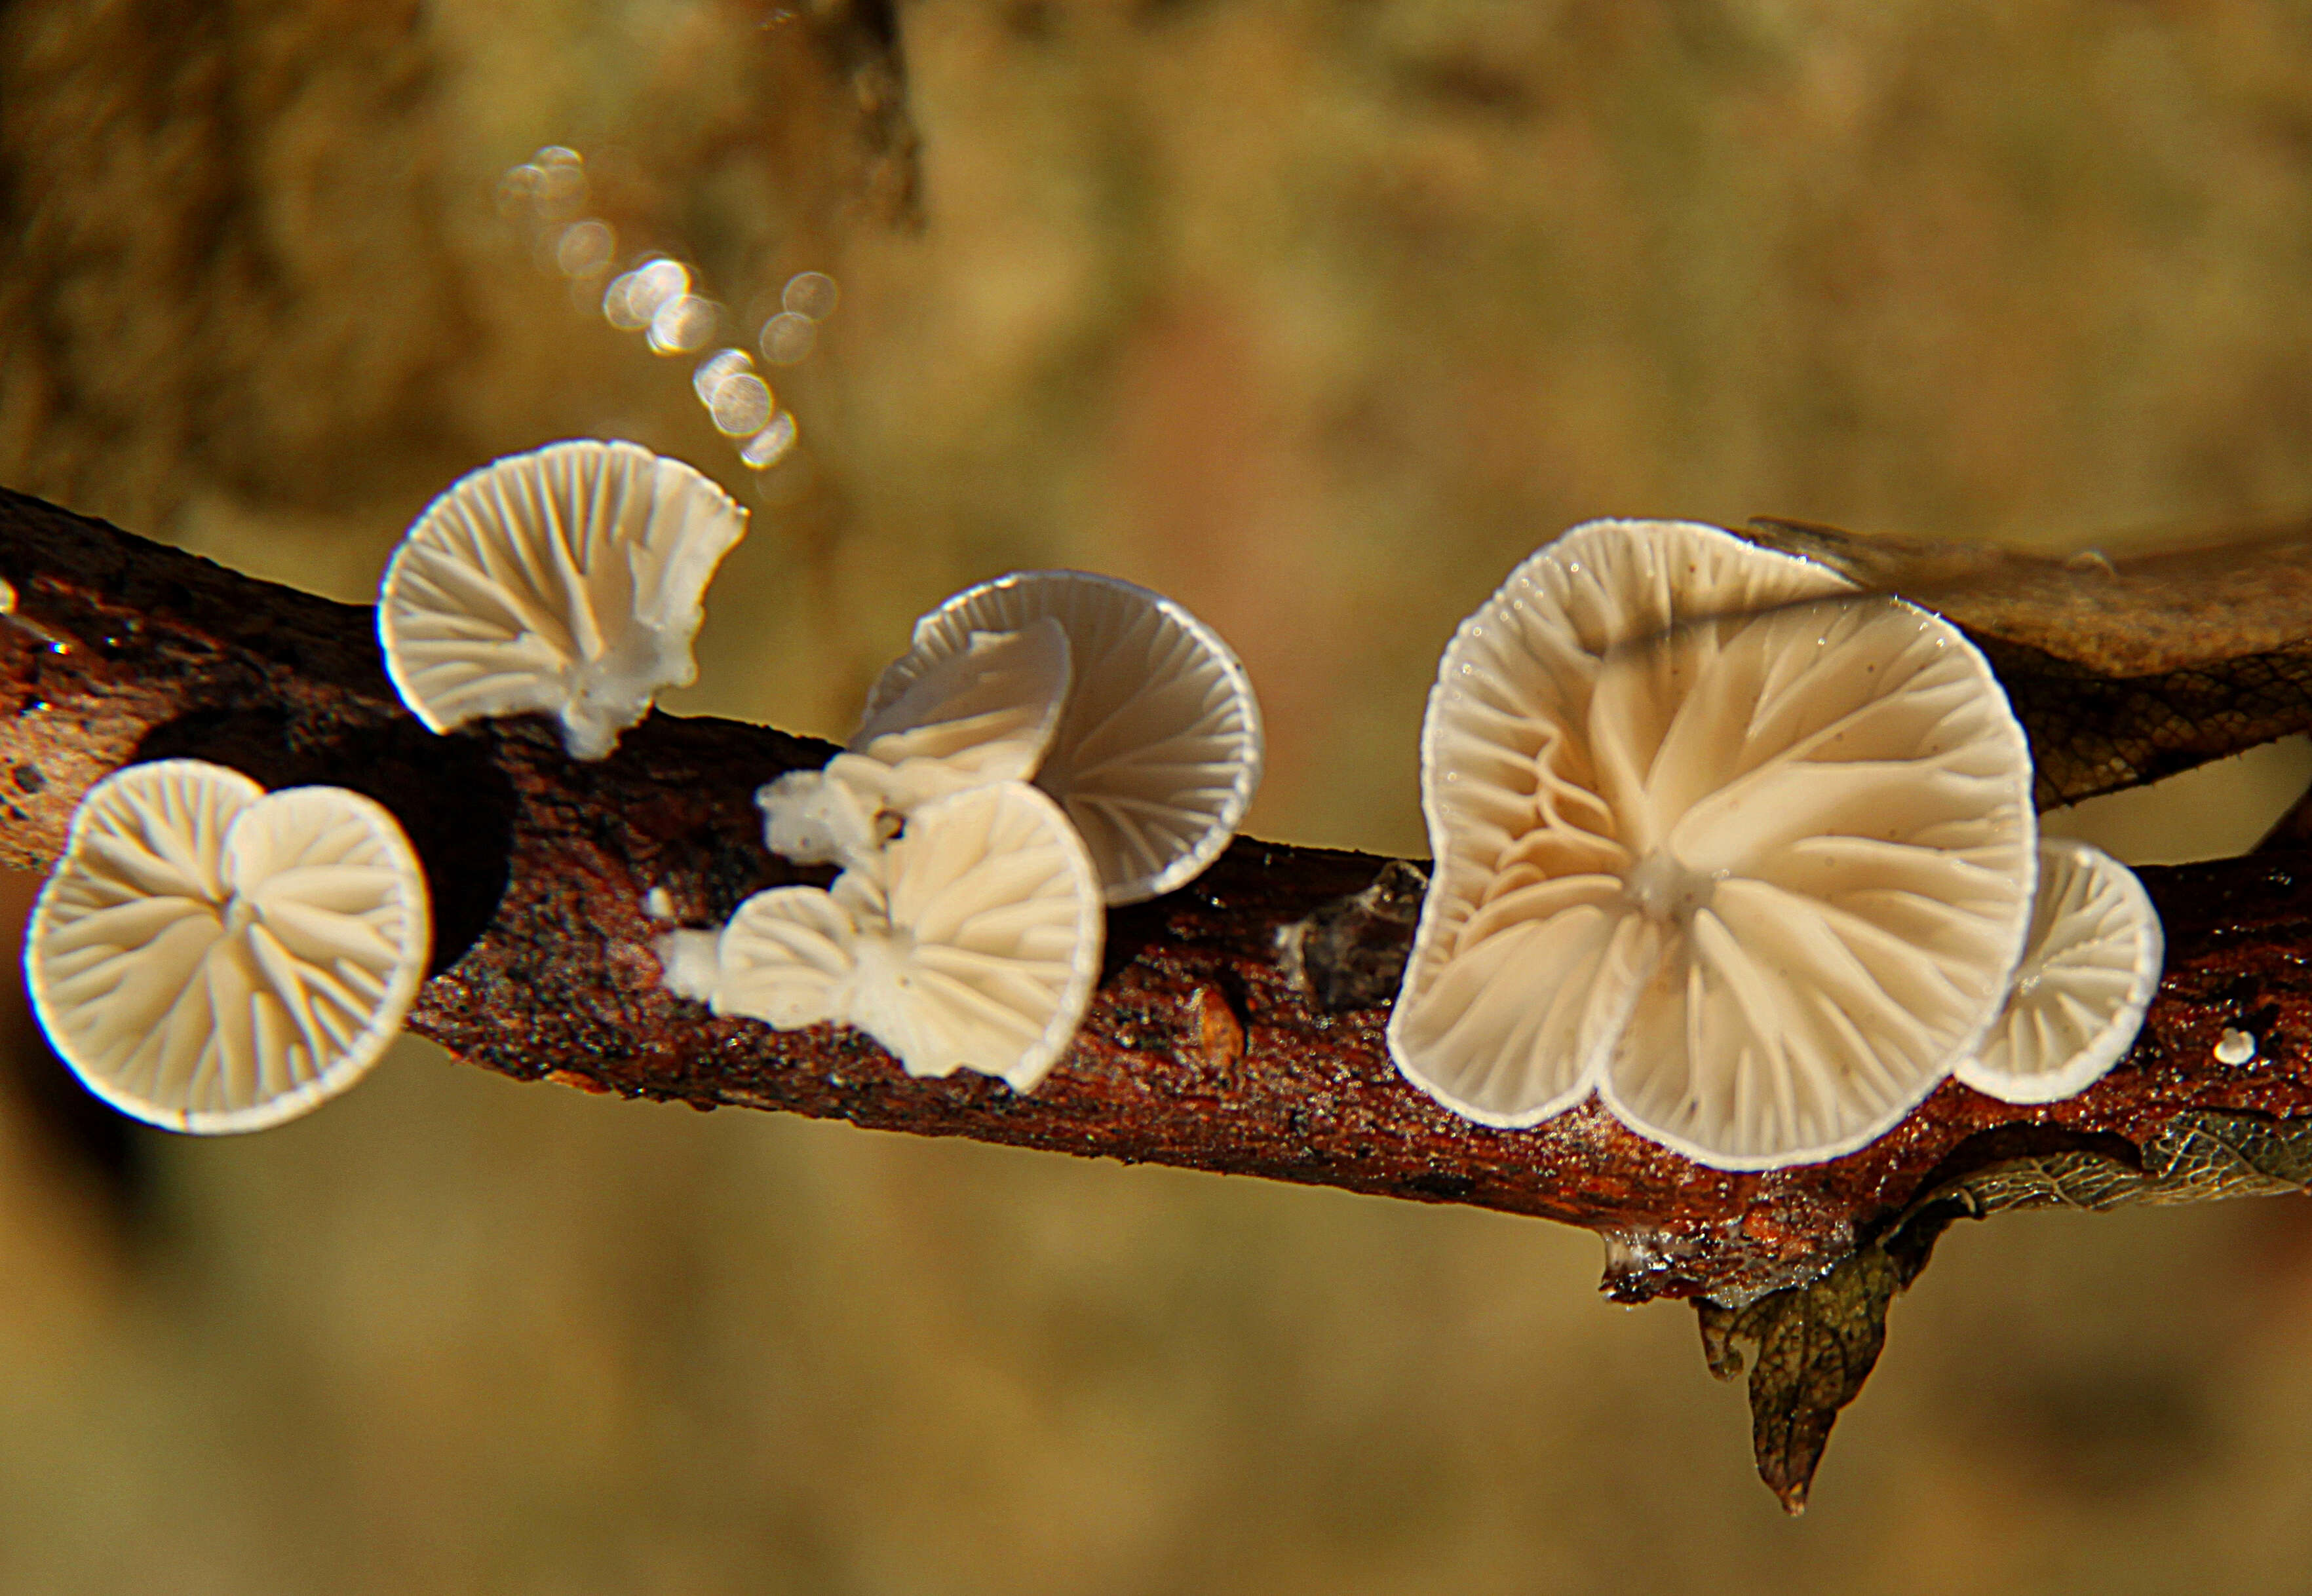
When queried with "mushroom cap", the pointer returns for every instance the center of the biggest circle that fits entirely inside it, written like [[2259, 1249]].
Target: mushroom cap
[[982, 715], [1747, 853], [209, 957], [2089, 968], [1158, 750], [567, 581], [971, 942], [789, 957]]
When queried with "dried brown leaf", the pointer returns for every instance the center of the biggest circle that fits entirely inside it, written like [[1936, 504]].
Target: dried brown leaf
[[1807, 1348], [2123, 671]]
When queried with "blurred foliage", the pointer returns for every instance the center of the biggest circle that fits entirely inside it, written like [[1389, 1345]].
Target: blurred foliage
[[1317, 314]]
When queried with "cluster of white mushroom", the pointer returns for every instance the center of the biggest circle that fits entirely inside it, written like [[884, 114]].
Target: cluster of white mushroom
[[1053, 742], [210, 957], [1746, 853], [1750, 856]]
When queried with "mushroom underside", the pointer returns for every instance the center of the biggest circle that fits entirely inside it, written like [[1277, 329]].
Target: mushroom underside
[[1748, 855]]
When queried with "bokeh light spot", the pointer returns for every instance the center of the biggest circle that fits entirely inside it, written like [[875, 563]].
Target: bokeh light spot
[[769, 446], [788, 337], [518, 192], [633, 298], [560, 192], [810, 295], [585, 248], [715, 368], [683, 324], [741, 406]]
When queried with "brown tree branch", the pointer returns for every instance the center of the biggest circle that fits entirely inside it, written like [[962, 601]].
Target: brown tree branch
[[1207, 1046]]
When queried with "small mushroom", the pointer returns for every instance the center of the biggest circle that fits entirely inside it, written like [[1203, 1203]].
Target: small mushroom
[[1158, 750], [982, 715], [211, 958], [567, 581], [1748, 854], [971, 942], [2088, 971]]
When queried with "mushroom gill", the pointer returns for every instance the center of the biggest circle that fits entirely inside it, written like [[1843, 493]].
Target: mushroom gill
[[1745, 852]]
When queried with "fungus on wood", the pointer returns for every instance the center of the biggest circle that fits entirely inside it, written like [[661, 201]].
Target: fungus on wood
[[969, 942], [983, 714], [210, 957], [1158, 749], [1743, 854], [544, 874], [2088, 971], [567, 581]]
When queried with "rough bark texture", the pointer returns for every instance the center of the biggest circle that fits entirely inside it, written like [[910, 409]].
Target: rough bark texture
[[1206, 1047]]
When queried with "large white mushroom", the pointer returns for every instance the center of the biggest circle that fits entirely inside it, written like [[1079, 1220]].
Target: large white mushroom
[[568, 581], [1749, 855], [983, 714], [1158, 750], [211, 958], [971, 942], [2089, 972]]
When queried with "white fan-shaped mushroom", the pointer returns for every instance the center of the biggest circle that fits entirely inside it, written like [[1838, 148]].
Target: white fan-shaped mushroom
[[2089, 968], [567, 581], [971, 942], [982, 715], [211, 958], [1749, 855], [1159, 749]]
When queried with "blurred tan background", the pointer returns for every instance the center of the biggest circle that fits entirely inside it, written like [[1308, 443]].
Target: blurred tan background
[[1317, 314]]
